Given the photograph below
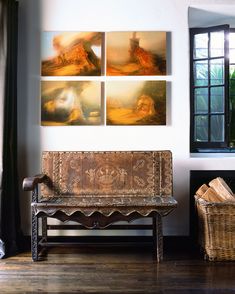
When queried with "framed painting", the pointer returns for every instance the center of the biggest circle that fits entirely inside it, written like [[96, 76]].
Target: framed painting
[[136, 53], [136, 103], [65, 103], [71, 53]]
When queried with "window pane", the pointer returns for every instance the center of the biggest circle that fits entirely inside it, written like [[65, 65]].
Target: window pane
[[200, 73], [217, 71], [232, 40], [201, 100], [232, 47], [232, 71], [200, 46], [201, 128], [232, 82], [232, 55], [232, 105], [232, 122], [217, 99], [217, 44], [217, 128]]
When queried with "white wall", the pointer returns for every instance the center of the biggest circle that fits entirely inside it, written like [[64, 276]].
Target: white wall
[[36, 16]]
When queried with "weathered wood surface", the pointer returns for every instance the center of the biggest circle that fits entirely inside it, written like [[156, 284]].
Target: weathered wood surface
[[201, 190], [222, 189], [211, 196], [218, 191], [115, 270]]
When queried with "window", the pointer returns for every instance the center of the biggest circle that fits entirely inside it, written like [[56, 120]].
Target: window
[[212, 86]]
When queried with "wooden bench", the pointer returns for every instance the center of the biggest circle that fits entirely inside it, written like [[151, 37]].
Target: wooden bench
[[97, 189]]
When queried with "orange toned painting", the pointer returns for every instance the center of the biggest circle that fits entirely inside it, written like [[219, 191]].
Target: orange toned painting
[[136, 53], [71, 53], [66, 103], [136, 103]]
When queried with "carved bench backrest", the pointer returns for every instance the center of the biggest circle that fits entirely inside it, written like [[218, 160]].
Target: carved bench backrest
[[130, 173]]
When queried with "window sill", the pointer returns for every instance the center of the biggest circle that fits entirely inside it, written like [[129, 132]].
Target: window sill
[[214, 150], [213, 153]]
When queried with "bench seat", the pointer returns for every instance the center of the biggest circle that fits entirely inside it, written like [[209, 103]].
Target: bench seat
[[68, 208]]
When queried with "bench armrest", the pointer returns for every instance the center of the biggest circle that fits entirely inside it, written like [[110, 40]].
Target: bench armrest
[[30, 183]]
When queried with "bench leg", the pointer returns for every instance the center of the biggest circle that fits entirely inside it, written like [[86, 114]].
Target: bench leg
[[34, 237], [44, 228], [158, 237]]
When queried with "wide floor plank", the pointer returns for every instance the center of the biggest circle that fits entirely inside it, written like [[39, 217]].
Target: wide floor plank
[[107, 269]]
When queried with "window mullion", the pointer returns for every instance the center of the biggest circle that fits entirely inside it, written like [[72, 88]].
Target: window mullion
[[226, 86], [209, 88]]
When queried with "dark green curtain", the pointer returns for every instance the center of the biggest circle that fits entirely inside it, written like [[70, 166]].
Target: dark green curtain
[[9, 196]]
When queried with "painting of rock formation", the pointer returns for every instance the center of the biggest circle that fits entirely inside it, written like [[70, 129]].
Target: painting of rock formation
[[65, 103], [136, 53], [71, 53], [136, 103]]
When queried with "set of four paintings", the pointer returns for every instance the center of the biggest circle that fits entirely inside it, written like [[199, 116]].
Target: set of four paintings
[[82, 54]]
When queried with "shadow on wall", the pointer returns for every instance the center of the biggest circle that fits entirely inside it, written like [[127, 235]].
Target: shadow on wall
[[29, 18]]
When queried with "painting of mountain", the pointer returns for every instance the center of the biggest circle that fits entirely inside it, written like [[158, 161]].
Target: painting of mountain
[[71, 53], [136, 53]]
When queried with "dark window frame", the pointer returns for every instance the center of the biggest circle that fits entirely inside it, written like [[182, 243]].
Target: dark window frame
[[223, 146]]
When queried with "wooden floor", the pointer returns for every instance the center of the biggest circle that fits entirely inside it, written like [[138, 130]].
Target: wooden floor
[[115, 269]]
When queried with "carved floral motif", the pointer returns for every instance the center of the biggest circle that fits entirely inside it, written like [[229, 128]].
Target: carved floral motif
[[108, 173]]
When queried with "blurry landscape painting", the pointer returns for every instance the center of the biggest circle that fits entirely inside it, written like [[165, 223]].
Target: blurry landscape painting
[[136, 103], [71, 53], [66, 103], [136, 53]]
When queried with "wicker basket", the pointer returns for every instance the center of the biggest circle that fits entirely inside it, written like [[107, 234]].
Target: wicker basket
[[216, 229]]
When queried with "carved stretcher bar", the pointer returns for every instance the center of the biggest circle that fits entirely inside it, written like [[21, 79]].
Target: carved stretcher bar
[[97, 189]]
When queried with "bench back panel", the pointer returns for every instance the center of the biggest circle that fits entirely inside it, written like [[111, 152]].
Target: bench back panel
[[131, 173]]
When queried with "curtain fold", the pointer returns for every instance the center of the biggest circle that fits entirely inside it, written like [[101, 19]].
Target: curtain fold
[[10, 233]]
